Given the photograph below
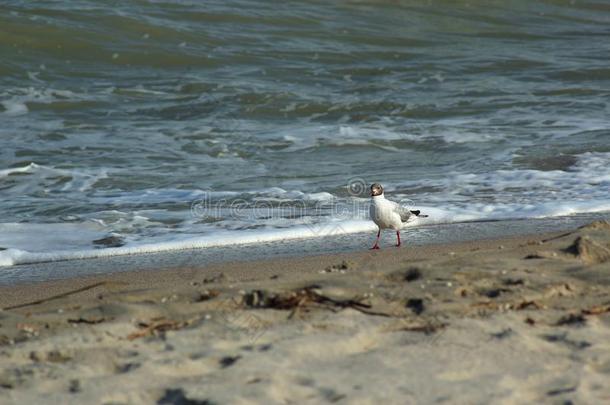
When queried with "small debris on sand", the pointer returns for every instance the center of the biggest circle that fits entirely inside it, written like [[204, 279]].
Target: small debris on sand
[[338, 268], [571, 319], [228, 361], [205, 295], [409, 275], [157, 327], [177, 396], [216, 278], [416, 305]]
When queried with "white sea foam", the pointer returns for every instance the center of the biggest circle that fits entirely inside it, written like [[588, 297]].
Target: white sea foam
[[14, 107], [277, 192], [449, 130], [588, 179], [168, 195], [14, 256], [582, 188], [49, 237], [24, 169], [15, 101], [38, 244]]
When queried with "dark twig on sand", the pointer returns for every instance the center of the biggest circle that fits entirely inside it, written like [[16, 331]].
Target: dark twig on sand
[[54, 297]]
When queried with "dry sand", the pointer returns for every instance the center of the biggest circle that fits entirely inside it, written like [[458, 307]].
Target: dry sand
[[520, 320]]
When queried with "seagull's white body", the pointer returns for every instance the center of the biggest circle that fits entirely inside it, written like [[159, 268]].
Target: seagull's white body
[[388, 214]]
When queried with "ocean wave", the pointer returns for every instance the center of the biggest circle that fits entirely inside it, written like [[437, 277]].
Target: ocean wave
[[34, 178], [20, 100], [159, 121], [588, 178]]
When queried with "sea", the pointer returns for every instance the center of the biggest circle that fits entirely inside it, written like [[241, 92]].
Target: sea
[[144, 126]]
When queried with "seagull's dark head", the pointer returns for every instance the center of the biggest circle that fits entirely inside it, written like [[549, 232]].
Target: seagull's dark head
[[376, 189]]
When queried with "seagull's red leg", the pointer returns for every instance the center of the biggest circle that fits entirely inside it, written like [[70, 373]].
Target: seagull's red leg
[[398, 238], [376, 245]]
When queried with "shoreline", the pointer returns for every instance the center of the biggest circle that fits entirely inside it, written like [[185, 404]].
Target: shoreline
[[414, 237], [251, 270]]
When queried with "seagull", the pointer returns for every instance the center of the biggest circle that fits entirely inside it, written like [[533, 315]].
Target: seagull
[[388, 214]]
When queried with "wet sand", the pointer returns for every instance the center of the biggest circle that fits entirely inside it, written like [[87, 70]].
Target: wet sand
[[517, 320]]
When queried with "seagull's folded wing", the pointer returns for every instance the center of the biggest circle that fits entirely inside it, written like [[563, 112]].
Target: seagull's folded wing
[[404, 212]]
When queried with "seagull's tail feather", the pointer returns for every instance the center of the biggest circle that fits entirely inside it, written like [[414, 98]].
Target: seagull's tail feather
[[418, 214]]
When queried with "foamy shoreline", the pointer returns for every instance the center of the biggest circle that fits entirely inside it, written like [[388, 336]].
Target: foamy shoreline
[[204, 250]]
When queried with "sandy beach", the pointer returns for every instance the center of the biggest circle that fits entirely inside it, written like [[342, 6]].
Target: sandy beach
[[189, 191], [518, 320]]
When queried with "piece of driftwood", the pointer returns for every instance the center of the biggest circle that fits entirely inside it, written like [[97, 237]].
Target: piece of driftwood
[[57, 296]]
